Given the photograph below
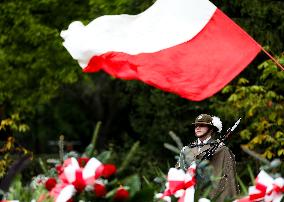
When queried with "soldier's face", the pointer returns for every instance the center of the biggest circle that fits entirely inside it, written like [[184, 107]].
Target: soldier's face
[[201, 130]]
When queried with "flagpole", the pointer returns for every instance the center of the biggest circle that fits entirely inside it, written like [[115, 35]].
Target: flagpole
[[273, 59]]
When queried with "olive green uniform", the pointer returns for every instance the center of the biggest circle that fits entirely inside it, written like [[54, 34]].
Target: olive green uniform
[[224, 169]]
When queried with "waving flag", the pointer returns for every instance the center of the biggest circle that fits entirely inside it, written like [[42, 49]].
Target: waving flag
[[187, 47]]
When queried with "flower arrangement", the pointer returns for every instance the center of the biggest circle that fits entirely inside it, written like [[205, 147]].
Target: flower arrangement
[[266, 189], [181, 185], [81, 177], [77, 176], [78, 179]]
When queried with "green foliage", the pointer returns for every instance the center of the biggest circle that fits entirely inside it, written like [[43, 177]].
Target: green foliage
[[129, 156], [40, 81], [134, 183], [33, 67], [154, 113], [114, 7], [14, 123], [262, 19], [8, 128], [89, 151], [260, 104], [273, 168], [21, 192], [35, 189]]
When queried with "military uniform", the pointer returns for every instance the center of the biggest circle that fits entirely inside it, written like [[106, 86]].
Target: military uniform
[[223, 168]]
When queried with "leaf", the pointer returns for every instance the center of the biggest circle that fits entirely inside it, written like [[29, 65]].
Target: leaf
[[172, 148], [104, 156], [242, 81], [270, 94], [251, 111], [129, 156], [146, 194], [257, 89], [280, 122], [254, 154], [279, 134], [268, 154], [269, 139], [6, 122], [272, 116], [10, 143], [245, 134], [252, 177], [134, 183], [23, 128], [257, 140], [176, 139], [227, 89], [233, 98], [243, 186], [280, 152]]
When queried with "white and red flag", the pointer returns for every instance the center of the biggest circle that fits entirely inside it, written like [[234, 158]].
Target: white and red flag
[[187, 47]]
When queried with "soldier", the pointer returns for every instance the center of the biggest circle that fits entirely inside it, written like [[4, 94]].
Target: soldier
[[222, 159]]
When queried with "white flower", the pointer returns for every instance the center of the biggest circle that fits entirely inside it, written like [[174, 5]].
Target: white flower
[[217, 123], [38, 181], [71, 154], [161, 197], [203, 200]]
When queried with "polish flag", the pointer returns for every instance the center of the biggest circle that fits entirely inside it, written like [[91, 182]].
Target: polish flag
[[186, 47]]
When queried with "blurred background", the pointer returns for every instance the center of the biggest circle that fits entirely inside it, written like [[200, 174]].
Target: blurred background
[[45, 94]]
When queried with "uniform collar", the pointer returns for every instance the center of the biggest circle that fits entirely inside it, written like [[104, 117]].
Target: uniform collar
[[205, 141]]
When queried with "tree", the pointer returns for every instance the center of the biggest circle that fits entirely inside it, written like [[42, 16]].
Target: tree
[[260, 104], [42, 83], [34, 65], [262, 19]]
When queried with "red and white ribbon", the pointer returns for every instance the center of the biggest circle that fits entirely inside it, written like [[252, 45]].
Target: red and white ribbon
[[72, 171], [180, 184], [62, 192], [266, 189], [75, 178], [166, 195]]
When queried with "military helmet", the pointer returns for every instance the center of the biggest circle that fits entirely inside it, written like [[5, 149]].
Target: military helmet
[[209, 120]]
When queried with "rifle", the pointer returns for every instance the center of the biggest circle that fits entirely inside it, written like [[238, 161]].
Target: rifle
[[215, 144]]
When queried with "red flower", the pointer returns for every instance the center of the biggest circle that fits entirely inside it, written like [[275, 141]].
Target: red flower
[[109, 170], [83, 161], [121, 194], [105, 171], [50, 183], [100, 190], [59, 169]]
